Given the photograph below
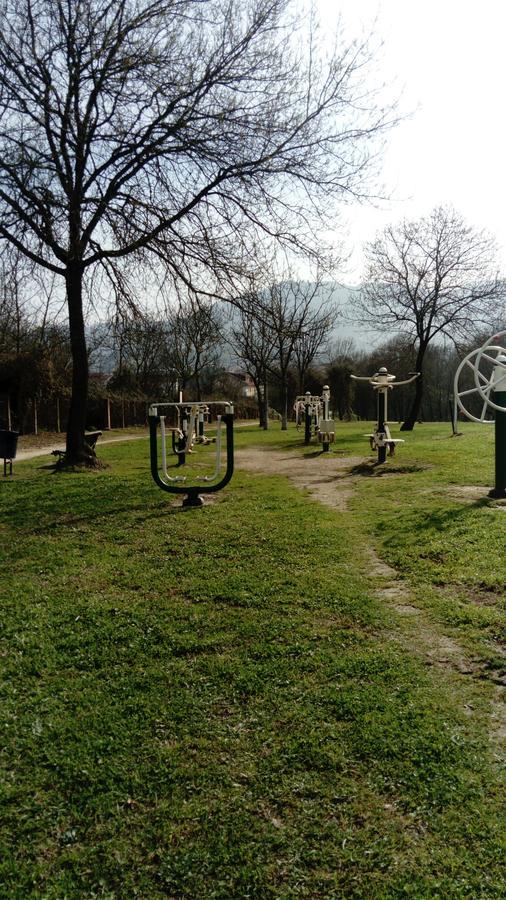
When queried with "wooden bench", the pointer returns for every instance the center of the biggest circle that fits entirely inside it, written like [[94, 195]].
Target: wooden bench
[[91, 438]]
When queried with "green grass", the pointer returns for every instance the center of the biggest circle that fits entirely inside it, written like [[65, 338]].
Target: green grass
[[215, 703]]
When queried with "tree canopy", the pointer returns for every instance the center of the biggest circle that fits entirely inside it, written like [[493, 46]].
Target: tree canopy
[[183, 131]]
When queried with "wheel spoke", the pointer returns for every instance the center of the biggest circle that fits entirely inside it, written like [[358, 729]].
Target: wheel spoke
[[482, 376], [474, 390], [492, 359]]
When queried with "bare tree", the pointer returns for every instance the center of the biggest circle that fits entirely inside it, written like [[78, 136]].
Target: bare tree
[[142, 349], [316, 335], [293, 313], [194, 338], [28, 300], [343, 361], [179, 130], [427, 279], [253, 342]]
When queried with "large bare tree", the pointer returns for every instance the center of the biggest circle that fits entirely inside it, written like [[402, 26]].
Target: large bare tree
[[194, 341], [295, 313], [278, 327], [253, 342], [430, 278], [315, 336], [177, 130]]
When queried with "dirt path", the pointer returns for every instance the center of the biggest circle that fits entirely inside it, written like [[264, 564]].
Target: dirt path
[[326, 476], [46, 451], [330, 480]]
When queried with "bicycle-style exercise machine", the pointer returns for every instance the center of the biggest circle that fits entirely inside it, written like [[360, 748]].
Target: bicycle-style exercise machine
[[307, 412], [488, 366], [383, 382], [185, 433]]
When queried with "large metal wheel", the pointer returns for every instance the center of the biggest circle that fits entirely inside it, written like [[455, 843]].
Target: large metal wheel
[[468, 361], [493, 353], [482, 363]]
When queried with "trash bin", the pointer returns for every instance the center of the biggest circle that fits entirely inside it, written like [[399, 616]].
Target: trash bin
[[8, 447]]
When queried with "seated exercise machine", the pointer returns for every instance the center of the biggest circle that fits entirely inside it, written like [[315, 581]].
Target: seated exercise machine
[[382, 382]]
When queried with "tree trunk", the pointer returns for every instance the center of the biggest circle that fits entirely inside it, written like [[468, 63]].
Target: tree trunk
[[416, 406], [284, 413], [265, 401], [260, 401], [77, 452]]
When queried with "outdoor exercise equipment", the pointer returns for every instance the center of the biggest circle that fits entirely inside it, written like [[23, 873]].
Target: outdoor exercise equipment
[[184, 435], [488, 366], [326, 427], [314, 411], [383, 382], [190, 428], [307, 409]]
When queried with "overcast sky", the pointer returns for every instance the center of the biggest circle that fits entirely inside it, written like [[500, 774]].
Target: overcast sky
[[448, 57]]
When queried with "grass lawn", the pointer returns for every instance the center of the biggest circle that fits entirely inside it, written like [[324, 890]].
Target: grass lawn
[[224, 702]]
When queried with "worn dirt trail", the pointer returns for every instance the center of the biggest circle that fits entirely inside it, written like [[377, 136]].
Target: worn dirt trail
[[326, 476], [330, 480], [33, 452]]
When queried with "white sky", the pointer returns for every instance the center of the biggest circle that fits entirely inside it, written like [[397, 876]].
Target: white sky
[[449, 59]]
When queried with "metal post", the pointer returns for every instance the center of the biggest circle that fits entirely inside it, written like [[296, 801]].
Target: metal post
[[453, 413], [307, 424], [181, 444], [382, 451], [307, 419], [326, 416], [326, 401], [498, 382], [500, 446]]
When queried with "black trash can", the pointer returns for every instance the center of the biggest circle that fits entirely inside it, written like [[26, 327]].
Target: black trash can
[[8, 447]]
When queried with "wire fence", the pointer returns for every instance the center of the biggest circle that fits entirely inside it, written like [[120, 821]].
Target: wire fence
[[104, 413]]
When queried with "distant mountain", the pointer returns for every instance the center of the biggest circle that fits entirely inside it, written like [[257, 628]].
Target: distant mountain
[[103, 357], [346, 329]]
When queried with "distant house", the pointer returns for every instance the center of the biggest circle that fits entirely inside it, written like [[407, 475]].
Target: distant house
[[245, 383]]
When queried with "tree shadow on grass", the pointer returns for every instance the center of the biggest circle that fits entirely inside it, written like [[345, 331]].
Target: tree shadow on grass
[[437, 520], [372, 468], [23, 520]]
